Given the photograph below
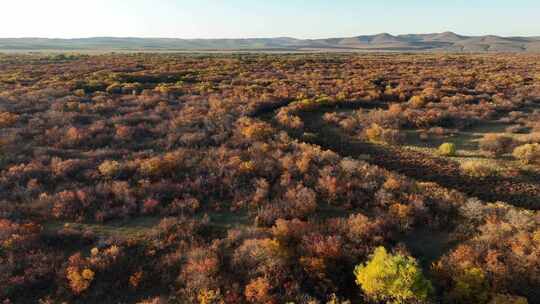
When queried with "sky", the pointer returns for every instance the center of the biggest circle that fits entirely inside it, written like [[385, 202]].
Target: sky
[[264, 18]]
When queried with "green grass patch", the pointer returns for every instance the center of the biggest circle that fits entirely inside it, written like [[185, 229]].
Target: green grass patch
[[132, 228], [228, 220], [467, 146]]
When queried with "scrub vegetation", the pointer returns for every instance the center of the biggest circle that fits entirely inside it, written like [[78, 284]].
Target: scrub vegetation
[[257, 178]]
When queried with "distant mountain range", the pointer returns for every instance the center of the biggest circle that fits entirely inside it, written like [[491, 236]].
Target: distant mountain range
[[437, 42]]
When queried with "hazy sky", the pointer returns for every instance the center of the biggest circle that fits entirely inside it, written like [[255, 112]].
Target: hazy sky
[[264, 18]]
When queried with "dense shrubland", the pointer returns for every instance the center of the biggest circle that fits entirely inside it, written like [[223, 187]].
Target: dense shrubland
[[247, 213]]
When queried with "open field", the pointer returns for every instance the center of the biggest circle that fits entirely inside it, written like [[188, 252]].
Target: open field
[[267, 178]]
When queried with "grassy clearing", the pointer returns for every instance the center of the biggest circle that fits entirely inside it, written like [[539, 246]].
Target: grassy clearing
[[223, 221], [428, 244], [142, 226], [467, 144], [132, 228]]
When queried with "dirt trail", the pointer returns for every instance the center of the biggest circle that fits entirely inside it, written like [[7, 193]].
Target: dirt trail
[[520, 191]]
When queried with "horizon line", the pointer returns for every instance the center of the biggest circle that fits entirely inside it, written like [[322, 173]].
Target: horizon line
[[268, 37]]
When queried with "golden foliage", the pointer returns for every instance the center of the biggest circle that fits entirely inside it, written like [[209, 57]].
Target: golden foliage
[[79, 281], [258, 291], [8, 119]]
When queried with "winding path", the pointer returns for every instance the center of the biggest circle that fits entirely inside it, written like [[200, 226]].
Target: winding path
[[521, 191]]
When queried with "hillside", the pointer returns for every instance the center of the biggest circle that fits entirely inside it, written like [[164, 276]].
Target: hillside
[[436, 42]]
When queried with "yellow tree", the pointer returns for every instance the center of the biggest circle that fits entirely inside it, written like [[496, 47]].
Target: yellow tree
[[393, 278]]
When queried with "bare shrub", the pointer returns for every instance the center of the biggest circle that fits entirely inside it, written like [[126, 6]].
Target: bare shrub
[[496, 144], [376, 133]]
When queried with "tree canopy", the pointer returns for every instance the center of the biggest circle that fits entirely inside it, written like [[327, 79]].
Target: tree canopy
[[394, 278]]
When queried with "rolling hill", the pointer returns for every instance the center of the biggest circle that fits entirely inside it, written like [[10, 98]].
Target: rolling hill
[[436, 42]]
